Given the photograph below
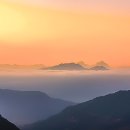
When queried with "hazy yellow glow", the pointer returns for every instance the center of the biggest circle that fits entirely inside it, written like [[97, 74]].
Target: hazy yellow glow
[[48, 35]]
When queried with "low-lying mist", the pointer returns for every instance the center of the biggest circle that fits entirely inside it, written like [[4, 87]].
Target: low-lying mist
[[77, 86]]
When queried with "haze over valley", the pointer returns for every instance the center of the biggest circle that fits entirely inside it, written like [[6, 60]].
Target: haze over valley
[[64, 65], [77, 86]]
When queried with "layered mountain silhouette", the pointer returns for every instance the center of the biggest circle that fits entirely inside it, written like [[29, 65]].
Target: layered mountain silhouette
[[102, 63], [96, 68], [79, 66], [6, 125], [67, 66], [111, 112], [25, 107]]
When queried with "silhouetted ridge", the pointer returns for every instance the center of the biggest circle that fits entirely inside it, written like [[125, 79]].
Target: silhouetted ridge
[[99, 68], [102, 63], [110, 112], [25, 107], [6, 125], [5, 92], [67, 66]]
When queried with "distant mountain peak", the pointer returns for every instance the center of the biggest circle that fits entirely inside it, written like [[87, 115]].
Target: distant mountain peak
[[67, 66], [102, 63], [103, 68]]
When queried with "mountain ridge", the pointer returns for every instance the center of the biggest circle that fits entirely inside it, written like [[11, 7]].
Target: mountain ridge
[[66, 66], [79, 66], [110, 112], [29, 106], [6, 125]]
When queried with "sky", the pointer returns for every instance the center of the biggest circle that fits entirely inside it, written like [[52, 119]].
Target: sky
[[55, 31]]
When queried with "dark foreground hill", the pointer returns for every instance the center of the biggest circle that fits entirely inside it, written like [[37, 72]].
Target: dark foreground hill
[[6, 125], [111, 112], [23, 107]]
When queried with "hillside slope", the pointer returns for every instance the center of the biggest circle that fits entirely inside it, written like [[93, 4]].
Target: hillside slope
[[23, 107], [111, 112]]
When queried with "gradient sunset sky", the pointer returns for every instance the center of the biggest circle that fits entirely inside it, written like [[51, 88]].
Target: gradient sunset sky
[[55, 31]]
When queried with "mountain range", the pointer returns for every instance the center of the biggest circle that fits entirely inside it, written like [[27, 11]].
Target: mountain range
[[78, 66], [63, 66], [25, 107], [110, 112]]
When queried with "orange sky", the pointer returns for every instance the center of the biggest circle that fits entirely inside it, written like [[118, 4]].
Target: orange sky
[[51, 34]]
